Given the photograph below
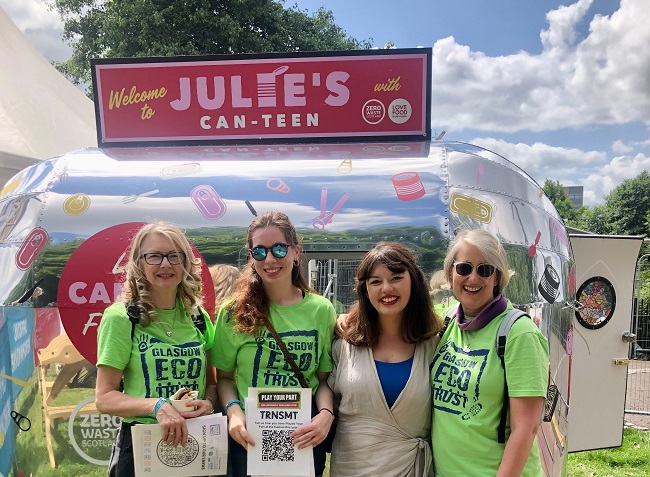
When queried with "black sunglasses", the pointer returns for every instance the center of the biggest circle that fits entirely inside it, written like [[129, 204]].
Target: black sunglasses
[[484, 270], [278, 250], [174, 258]]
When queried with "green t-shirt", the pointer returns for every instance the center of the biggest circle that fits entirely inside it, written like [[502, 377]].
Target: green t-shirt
[[306, 328], [154, 364], [467, 382]]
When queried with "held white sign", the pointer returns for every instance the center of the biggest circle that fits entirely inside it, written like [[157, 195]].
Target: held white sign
[[206, 451], [271, 415]]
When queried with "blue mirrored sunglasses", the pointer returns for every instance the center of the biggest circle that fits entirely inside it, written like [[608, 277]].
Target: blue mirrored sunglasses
[[279, 250]]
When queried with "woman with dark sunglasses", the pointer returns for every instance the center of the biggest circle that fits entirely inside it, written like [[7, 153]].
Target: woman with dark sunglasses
[[149, 346], [467, 377], [273, 290]]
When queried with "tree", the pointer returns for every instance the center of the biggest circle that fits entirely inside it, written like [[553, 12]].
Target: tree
[[627, 206], [592, 219], [560, 199], [121, 28]]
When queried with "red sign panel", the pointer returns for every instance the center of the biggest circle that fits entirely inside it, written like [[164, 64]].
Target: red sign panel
[[358, 94], [92, 279]]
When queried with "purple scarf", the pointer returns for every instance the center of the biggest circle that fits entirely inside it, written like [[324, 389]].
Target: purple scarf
[[491, 311]]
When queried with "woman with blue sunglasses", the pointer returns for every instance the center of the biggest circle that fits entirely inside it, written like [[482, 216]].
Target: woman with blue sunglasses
[[468, 380], [272, 293]]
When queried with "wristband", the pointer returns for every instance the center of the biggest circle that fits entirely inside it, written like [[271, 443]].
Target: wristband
[[232, 403], [325, 409], [158, 405]]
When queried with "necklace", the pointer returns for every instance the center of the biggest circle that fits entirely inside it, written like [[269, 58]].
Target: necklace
[[169, 333], [467, 346]]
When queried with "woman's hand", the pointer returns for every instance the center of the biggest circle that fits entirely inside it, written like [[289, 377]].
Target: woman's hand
[[237, 427], [341, 325], [203, 407], [313, 433], [172, 425]]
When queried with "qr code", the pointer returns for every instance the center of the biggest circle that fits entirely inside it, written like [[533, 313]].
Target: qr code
[[277, 446]]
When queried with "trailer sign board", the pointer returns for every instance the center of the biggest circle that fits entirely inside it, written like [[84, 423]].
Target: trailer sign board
[[346, 95]]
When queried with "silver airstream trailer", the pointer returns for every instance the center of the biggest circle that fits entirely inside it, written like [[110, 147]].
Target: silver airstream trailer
[[65, 226]]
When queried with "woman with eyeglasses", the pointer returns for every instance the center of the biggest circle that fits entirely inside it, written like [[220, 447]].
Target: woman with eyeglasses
[[272, 292], [382, 368], [468, 380], [155, 341]]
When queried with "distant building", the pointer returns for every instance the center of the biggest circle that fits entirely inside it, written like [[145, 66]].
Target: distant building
[[575, 193]]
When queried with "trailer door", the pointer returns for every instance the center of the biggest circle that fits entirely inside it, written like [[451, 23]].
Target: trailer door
[[605, 268]]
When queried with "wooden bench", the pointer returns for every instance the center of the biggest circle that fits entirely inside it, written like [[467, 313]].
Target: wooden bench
[[59, 351]]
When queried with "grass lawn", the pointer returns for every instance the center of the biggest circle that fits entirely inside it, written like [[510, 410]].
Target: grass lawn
[[30, 454], [631, 459]]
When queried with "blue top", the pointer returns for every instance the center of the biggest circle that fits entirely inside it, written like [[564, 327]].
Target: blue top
[[393, 377]]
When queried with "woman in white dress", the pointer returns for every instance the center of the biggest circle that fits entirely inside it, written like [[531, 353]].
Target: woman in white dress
[[381, 368]]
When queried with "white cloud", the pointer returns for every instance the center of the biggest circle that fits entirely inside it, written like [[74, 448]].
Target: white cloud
[[620, 147], [41, 26], [620, 168], [600, 80]]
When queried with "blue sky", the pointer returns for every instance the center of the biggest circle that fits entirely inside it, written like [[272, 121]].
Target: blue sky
[[562, 89]]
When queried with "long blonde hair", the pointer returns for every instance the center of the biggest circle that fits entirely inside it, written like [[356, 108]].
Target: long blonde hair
[[224, 278], [136, 287]]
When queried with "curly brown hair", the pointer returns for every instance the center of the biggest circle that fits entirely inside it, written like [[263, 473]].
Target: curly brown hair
[[250, 301], [419, 323]]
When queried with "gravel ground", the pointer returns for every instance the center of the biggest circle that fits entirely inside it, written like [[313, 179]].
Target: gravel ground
[[638, 394]]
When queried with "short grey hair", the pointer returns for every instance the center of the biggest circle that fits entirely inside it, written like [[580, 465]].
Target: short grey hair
[[488, 245]]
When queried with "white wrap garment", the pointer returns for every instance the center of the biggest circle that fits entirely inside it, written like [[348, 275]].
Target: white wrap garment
[[371, 438]]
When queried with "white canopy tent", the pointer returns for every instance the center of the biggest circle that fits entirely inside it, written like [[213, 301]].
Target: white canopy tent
[[42, 114]]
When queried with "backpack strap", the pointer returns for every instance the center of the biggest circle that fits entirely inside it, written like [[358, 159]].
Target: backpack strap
[[133, 312], [450, 315], [502, 336], [198, 319]]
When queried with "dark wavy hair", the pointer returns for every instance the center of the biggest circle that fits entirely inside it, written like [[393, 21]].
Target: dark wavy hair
[[250, 301], [419, 323]]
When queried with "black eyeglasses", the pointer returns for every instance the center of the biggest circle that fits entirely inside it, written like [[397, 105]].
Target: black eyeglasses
[[484, 270], [279, 250], [174, 258]]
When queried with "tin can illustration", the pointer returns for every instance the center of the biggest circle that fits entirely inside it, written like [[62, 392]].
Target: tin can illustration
[[76, 204], [180, 170], [278, 185], [345, 167], [208, 202], [549, 284], [31, 247], [408, 185], [558, 234], [266, 87], [471, 207]]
